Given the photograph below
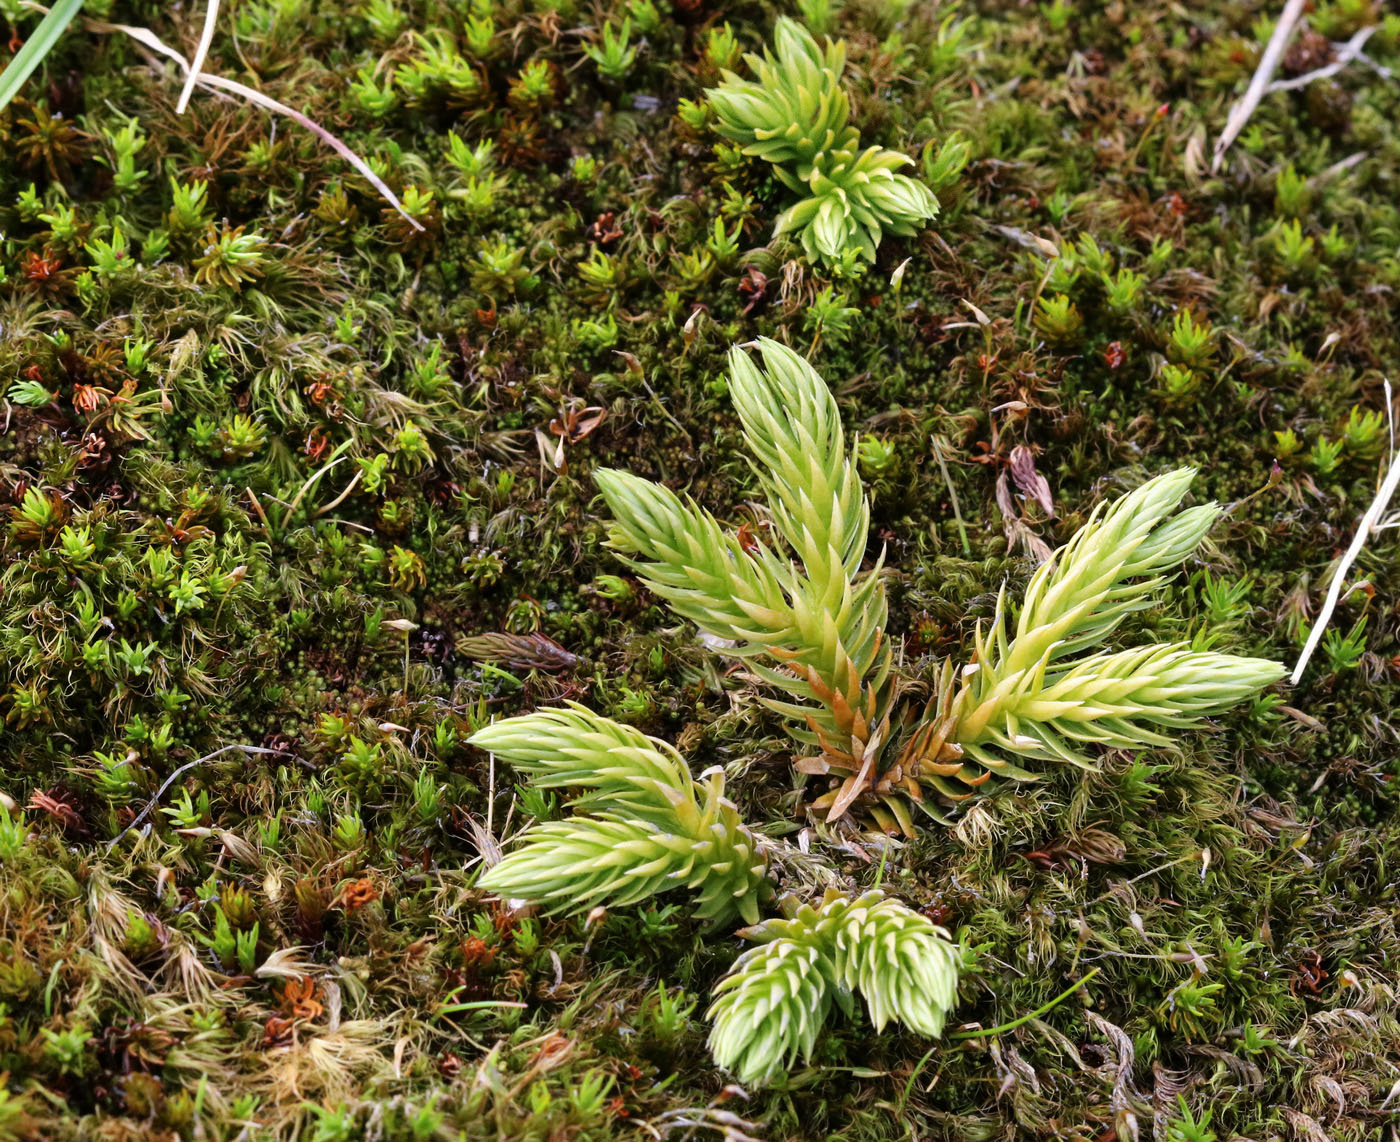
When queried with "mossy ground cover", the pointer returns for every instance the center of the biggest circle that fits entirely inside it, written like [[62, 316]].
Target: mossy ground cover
[[286, 474]]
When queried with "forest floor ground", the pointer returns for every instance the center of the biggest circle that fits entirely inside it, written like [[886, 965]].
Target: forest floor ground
[[298, 496]]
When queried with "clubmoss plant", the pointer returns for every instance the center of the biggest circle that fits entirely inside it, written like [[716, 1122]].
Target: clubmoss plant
[[793, 114], [773, 1003], [650, 825], [643, 825], [810, 621]]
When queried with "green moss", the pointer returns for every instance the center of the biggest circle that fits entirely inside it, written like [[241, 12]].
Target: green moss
[[272, 459]]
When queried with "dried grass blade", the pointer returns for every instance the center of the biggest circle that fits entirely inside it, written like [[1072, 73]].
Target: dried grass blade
[[201, 53], [39, 44], [151, 40], [1268, 64]]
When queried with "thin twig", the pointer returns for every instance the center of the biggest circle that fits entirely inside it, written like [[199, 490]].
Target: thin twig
[[1268, 64], [1345, 54], [937, 443], [1143, 876], [151, 804], [1390, 417], [262, 515], [340, 499], [1041, 1010], [1342, 165], [1379, 68], [1358, 541], [661, 408], [315, 477], [201, 53], [148, 38]]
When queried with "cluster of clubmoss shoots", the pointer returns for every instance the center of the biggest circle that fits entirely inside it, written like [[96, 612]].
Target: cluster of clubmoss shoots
[[643, 825], [1040, 693]]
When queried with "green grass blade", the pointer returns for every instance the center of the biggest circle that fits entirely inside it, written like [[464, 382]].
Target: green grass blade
[[39, 44]]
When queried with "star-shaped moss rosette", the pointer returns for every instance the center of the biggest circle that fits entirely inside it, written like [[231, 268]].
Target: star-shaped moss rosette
[[794, 114]]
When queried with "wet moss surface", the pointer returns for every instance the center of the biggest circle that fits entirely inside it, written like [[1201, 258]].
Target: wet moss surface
[[297, 496]]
